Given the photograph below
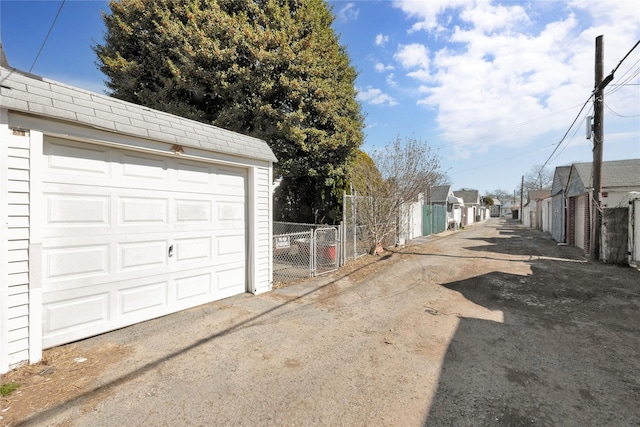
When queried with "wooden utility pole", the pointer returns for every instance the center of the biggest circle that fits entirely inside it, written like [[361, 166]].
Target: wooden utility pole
[[598, 140], [522, 201]]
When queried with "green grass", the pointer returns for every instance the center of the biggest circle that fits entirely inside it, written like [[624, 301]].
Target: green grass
[[8, 388]]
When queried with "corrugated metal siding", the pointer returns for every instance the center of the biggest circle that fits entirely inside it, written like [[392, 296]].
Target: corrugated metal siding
[[263, 231], [558, 218], [17, 329]]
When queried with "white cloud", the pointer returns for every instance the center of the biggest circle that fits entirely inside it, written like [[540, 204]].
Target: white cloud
[[427, 12], [376, 97], [381, 68], [486, 17], [503, 69], [414, 55], [349, 12], [381, 40], [391, 81]]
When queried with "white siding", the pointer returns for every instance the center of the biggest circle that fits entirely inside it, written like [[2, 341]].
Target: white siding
[[15, 279], [634, 232], [263, 223]]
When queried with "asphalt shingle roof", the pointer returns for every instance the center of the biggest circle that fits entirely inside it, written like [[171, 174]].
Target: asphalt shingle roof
[[560, 179], [538, 194], [439, 193], [28, 93], [618, 173], [470, 197]]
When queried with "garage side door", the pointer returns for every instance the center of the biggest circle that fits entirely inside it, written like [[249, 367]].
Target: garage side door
[[129, 236], [580, 212]]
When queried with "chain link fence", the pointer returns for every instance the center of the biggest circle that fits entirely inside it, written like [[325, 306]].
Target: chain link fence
[[304, 250], [355, 242]]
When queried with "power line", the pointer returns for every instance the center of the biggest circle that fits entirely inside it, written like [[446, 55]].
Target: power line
[[618, 114], [568, 130], [625, 57], [625, 82], [573, 135], [47, 36], [601, 86]]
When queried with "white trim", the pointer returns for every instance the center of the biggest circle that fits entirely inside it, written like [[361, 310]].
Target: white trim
[[270, 244], [36, 221], [252, 231], [4, 315], [89, 135]]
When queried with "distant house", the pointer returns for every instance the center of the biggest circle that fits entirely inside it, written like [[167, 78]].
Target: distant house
[[558, 203], [545, 214], [618, 179], [112, 213], [472, 207], [443, 195], [532, 210], [496, 208]]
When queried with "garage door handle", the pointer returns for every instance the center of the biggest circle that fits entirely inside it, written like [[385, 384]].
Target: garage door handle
[[170, 251]]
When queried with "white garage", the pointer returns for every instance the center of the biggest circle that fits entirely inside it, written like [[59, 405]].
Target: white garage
[[115, 213]]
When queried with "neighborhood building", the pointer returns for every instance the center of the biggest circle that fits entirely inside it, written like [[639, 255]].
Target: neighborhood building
[[619, 178], [495, 210], [532, 210], [113, 213], [442, 195], [473, 210]]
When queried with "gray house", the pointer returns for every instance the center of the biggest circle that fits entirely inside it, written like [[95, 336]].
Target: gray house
[[443, 195], [112, 213], [558, 203], [619, 178]]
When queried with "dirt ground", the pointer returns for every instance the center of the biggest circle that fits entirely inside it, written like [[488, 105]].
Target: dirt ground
[[493, 325]]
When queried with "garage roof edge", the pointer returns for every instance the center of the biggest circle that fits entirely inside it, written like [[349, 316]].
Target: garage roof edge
[[29, 93]]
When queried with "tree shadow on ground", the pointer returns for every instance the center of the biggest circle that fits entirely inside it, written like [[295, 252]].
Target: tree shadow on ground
[[563, 355]]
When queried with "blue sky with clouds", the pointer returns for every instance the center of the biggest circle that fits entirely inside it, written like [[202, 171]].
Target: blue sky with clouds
[[492, 85]]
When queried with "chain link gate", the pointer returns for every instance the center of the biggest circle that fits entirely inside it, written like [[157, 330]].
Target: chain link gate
[[326, 245], [302, 254]]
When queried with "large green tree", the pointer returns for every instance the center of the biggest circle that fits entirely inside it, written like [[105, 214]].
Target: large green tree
[[273, 69]]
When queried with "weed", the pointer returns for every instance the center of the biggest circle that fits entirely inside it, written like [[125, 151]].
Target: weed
[[8, 388]]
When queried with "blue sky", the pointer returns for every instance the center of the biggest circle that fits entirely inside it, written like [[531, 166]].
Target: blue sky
[[492, 85]]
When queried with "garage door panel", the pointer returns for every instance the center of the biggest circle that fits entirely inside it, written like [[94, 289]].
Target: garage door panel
[[76, 313], [230, 214], [75, 262], [193, 287], [230, 181], [142, 255], [135, 211], [194, 174], [77, 210], [140, 168], [230, 280], [140, 300], [197, 249], [77, 159], [229, 248], [193, 210]]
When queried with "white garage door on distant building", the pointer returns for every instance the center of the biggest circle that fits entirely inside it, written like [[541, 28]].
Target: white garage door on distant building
[[129, 236]]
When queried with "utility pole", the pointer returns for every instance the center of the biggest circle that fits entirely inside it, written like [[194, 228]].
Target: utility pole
[[521, 201], [598, 140]]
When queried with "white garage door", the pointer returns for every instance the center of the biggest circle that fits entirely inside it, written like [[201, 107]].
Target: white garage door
[[129, 236]]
